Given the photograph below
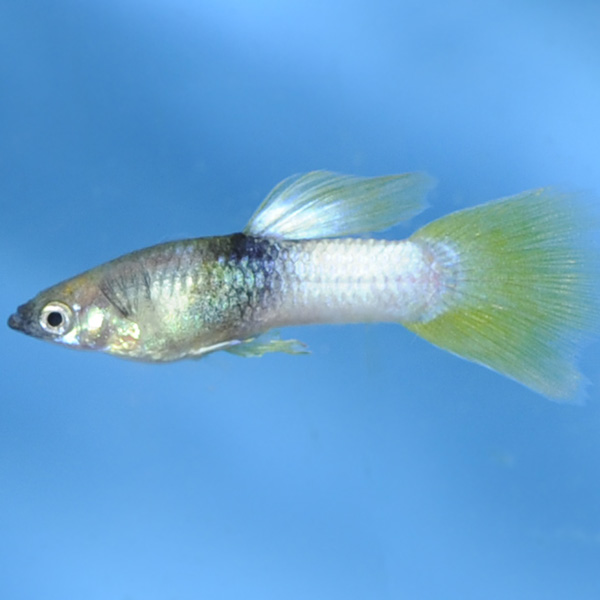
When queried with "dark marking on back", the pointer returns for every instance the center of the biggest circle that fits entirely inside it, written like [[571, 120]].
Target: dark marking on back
[[252, 248], [247, 259]]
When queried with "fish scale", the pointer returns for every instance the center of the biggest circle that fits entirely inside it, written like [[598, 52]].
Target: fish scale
[[353, 281]]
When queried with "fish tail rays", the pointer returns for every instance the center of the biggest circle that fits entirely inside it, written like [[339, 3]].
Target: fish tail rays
[[523, 295]]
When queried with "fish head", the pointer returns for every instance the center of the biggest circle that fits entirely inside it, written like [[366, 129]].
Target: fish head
[[77, 314]]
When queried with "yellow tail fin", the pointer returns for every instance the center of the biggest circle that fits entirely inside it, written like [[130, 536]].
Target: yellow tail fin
[[521, 296]]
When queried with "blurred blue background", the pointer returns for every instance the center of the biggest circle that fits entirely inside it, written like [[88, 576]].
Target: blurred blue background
[[378, 466]]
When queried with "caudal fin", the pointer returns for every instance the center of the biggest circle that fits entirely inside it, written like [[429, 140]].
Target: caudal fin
[[518, 288]]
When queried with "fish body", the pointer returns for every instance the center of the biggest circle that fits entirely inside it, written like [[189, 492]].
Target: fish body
[[505, 284], [187, 298]]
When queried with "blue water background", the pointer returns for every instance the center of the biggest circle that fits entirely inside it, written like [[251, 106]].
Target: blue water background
[[377, 467]]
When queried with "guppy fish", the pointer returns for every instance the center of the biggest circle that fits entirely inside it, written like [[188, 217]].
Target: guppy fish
[[508, 284]]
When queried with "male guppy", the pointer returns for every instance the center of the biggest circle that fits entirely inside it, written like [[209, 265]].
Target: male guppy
[[508, 284]]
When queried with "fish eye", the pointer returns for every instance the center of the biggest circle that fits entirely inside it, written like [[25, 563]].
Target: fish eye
[[56, 318]]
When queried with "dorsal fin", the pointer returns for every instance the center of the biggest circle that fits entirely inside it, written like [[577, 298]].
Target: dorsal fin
[[324, 204]]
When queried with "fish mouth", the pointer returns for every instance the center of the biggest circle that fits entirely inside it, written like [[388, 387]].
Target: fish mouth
[[21, 320], [15, 322]]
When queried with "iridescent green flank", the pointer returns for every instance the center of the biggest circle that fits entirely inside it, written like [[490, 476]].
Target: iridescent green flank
[[525, 295], [192, 296]]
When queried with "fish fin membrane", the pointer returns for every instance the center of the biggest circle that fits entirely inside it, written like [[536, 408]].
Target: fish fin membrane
[[256, 347], [322, 204], [523, 295]]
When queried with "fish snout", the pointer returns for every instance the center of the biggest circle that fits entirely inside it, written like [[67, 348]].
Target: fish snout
[[20, 320], [14, 322]]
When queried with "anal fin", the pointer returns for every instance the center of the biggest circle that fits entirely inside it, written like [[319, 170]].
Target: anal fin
[[264, 344]]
